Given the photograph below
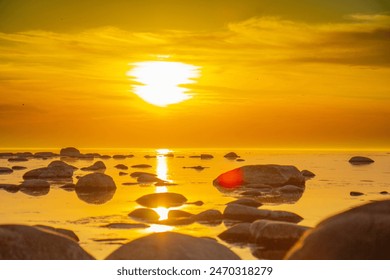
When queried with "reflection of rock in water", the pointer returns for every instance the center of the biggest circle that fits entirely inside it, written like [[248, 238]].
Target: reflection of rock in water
[[95, 195], [35, 187]]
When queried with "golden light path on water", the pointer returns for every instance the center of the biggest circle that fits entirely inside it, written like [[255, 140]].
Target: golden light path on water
[[160, 82]]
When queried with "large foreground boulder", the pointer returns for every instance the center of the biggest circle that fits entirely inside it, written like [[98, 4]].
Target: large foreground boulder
[[20, 242], [361, 233], [172, 246], [270, 175]]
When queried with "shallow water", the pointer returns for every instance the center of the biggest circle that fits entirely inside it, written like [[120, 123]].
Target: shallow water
[[325, 194]]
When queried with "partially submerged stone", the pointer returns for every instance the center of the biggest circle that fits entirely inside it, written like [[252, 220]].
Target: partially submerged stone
[[167, 199]]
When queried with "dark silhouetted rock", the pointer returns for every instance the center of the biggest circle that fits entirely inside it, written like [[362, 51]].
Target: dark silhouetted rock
[[44, 155], [99, 165], [95, 188], [290, 189], [271, 174], [141, 166], [246, 202], [17, 167], [384, 192], [17, 159], [240, 159], [206, 156], [55, 170], [63, 231], [129, 183], [119, 157], [358, 160], [6, 155], [162, 200], [122, 173], [308, 174], [356, 193], [237, 234], [210, 215], [137, 174], [70, 152], [276, 234], [250, 214], [361, 233], [105, 157], [5, 170], [68, 187], [174, 214], [24, 154], [172, 246], [121, 167], [145, 215], [11, 188], [61, 164], [231, 155], [35, 187], [145, 178], [19, 242], [126, 225], [198, 167]]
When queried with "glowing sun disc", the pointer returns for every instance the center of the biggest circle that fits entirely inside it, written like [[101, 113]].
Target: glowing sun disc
[[160, 81]]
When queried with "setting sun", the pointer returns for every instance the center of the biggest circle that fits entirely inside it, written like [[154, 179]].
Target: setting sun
[[161, 81]]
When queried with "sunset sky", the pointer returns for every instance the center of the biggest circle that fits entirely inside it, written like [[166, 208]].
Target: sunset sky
[[269, 73]]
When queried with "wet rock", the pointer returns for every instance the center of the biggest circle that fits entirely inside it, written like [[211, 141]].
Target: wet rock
[[250, 214], [5, 170], [123, 173], [247, 202], [198, 167], [240, 159], [137, 174], [105, 157], [271, 174], [308, 174], [361, 233], [172, 246], [119, 157], [141, 166], [19, 242], [145, 215], [66, 232], [145, 179], [61, 164], [358, 160], [210, 215], [174, 214], [384, 192], [95, 188], [70, 152], [56, 170], [231, 155], [44, 155], [99, 165], [17, 159], [206, 156], [129, 184], [121, 167], [35, 187], [356, 193], [11, 188], [237, 234], [17, 167], [125, 225], [276, 234], [69, 187], [162, 200]]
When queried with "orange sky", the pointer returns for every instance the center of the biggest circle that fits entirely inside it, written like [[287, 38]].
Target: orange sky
[[272, 74]]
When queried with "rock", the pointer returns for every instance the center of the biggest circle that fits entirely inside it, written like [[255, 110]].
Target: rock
[[95, 188], [250, 214], [356, 193], [268, 254], [361, 233], [137, 174], [55, 170], [6, 155], [66, 232], [271, 174], [358, 160], [174, 214], [95, 196], [122, 173], [307, 173], [210, 215], [126, 226], [145, 178], [176, 221], [276, 234], [69, 187], [105, 157], [162, 200], [121, 167], [149, 156], [240, 159], [11, 188], [145, 215], [290, 189], [172, 246], [237, 234], [5, 170], [129, 184], [231, 155], [70, 152], [99, 165], [17, 167], [24, 154], [384, 192], [44, 155], [35, 187], [17, 159], [119, 157], [247, 202], [19, 242], [198, 167], [141, 166], [206, 156]]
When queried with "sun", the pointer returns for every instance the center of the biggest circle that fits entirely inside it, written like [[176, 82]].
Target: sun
[[160, 82]]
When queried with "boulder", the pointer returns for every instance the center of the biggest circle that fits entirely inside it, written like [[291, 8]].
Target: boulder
[[237, 234], [250, 214], [358, 160], [144, 214], [61, 164], [211, 215], [141, 166], [20, 242], [17, 167], [206, 156], [54, 171], [246, 202], [162, 200], [137, 174], [172, 246], [66, 232], [11, 188], [118, 156], [35, 187], [121, 167], [99, 165], [68, 187], [174, 214], [361, 233], [5, 170], [271, 174], [356, 193], [276, 234], [145, 179], [95, 188], [17, 159], [70, 152], [231, 155], [6, 155], [123, 173], [44, 155]]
